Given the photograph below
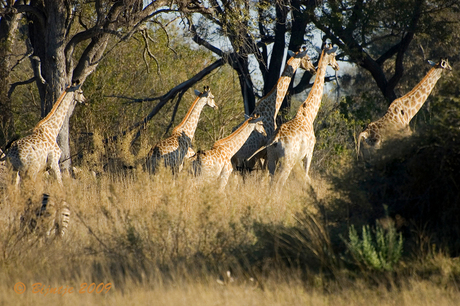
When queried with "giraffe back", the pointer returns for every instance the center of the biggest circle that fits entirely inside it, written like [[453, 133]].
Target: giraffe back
[[171, 151]]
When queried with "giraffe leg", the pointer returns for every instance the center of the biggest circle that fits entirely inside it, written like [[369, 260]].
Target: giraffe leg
[[272, 160], [18, 179], [225, 175], [54, 157], [284, 169], [260, 160], [307, 159], [190, 153], [32, 171]]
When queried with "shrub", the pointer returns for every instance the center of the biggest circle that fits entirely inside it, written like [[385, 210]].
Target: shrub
[[377, 249]]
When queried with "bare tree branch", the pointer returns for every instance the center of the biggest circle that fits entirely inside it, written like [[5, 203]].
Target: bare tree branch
[[146, 37], [37, 67], [28, 53], [33, 10], [181, 88], [14, 85]]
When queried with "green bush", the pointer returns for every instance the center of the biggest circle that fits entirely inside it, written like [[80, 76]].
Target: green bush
[[377, 249]]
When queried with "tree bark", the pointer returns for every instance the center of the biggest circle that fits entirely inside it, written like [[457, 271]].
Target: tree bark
[[8, 31]]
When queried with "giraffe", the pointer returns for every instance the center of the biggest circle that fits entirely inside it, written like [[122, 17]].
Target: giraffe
[[178, 146], [216, 162], [295, 140], [33, 153], [402, 110], [268, 108]]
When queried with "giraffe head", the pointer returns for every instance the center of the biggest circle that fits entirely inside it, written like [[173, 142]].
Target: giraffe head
[[330, 54], [259, 124], [305, 61], [75, 87], [442, 64], [206, 94]]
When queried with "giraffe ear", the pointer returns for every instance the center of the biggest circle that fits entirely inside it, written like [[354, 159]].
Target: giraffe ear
[[246, 117], [318, 50], [331, 50], [291, 53], [197, 92], [432, 63]]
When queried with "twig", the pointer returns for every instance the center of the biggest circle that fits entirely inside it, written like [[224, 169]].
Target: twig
[[13, 86]]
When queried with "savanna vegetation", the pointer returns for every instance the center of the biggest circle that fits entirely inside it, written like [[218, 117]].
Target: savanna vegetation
[[380, 231]]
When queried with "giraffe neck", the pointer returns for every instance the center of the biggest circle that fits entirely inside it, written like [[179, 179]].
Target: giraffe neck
[[310, 106], [233, 142], [279, 91], [413, 100], [190, 121], [283, 83], [53, 122]]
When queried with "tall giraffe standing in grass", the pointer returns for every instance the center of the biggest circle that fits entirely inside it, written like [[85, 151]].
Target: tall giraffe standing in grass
[[402, 110], [216, 163], [295, 140], [31, 154], [176, 147], [269, 106]]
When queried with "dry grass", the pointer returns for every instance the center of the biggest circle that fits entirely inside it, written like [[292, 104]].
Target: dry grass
[[189, 292], [164, 240]]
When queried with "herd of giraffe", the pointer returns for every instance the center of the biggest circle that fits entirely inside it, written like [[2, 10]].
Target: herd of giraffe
[[257, 139]]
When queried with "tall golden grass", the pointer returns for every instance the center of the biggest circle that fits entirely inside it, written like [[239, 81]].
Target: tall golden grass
[[167, 240]]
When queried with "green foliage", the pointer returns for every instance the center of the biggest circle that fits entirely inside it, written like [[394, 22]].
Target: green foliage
[[336, 127], [111, 89], [378, 249]]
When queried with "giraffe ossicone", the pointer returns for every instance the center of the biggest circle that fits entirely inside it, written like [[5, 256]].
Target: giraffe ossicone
[[174, 149], [33, 153], [402, 110], [269, 106], [216, 162]]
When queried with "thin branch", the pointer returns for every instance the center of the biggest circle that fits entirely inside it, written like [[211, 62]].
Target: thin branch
[[80, 21], [163, 27], [147, 37], [33, 10], [30, 51], [70, 16], [37, 67], [196, 38], [304, 83], [14, 85]]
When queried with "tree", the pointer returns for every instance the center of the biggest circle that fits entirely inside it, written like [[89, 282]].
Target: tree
[[256, 29], [70, 38], [8, 27], [376, 35]]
